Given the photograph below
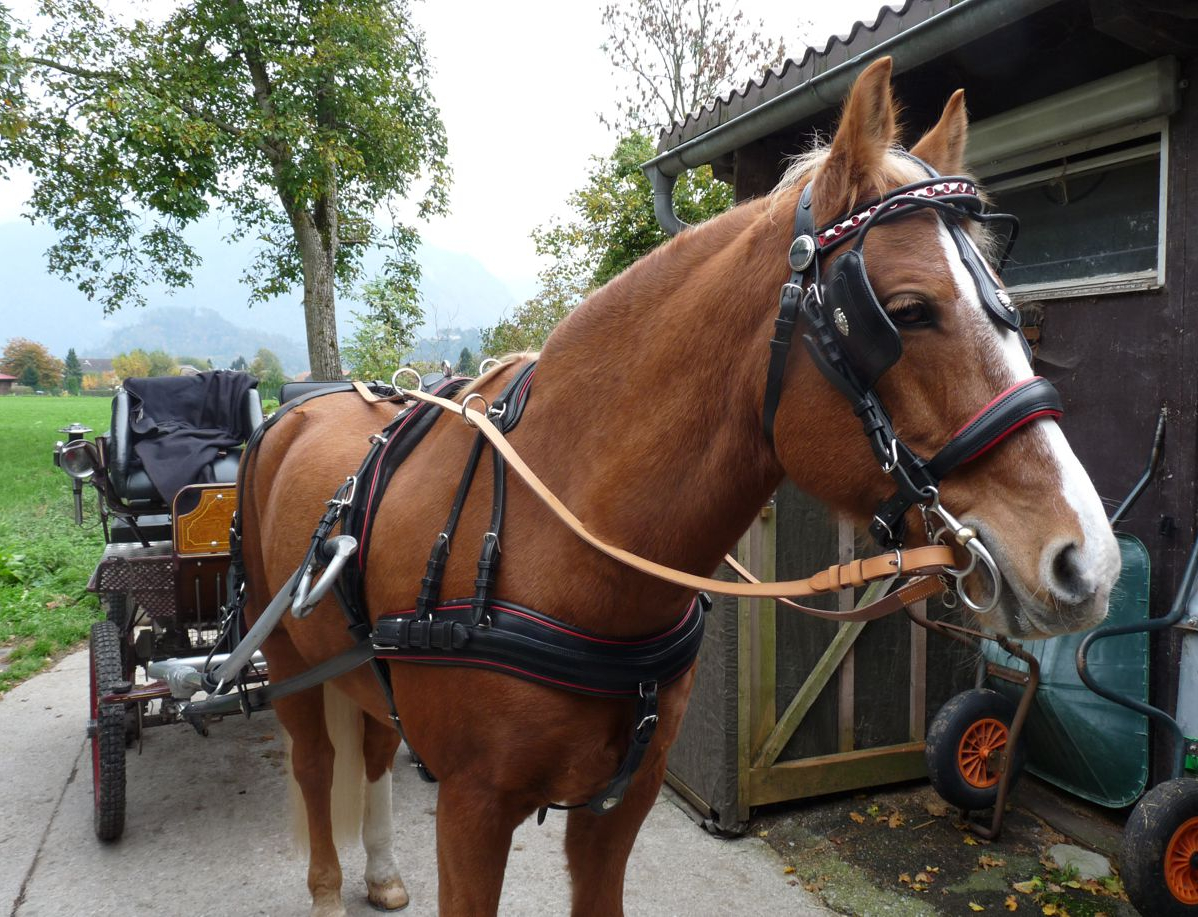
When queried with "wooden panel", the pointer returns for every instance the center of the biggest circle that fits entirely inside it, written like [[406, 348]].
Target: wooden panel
[[807, 541], [836, 773], [204, 530]]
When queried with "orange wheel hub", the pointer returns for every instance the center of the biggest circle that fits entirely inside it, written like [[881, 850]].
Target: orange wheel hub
[[1181, 857], [976, 753]]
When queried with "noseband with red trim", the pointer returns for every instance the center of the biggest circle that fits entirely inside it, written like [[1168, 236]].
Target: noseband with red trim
[[853, 342]]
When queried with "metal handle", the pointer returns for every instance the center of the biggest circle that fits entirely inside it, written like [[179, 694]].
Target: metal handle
[[307, 595]]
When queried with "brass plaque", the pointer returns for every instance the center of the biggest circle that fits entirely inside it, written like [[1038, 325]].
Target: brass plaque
[[204, 527]]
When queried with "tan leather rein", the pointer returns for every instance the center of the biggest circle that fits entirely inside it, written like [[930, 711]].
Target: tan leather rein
[[923, 564]]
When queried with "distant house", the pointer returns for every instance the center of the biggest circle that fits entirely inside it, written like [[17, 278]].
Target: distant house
[[6, 383], [95, 366]]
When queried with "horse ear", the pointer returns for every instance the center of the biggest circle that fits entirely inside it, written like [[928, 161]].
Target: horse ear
[[943, 147], [853, 169]]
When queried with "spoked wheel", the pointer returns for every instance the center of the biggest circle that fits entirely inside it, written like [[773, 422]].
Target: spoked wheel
[[966, 742], [1160, 851], [106, 729]]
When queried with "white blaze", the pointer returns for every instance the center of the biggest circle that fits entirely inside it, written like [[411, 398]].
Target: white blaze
[[1098, 553]]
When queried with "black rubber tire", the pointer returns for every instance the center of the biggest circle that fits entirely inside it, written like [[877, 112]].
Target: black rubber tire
[[1160, 814], [950, 725], [118, 609], [107, 728]]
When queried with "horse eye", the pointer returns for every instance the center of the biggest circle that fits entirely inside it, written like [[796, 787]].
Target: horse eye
[[909, 313]]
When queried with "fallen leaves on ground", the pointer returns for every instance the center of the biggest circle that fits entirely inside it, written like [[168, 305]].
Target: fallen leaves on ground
[[970, 841], [1030, 887], [937, 807], [985, 861], [974, 906], [788, 870], [1011, 904], [857, 817]]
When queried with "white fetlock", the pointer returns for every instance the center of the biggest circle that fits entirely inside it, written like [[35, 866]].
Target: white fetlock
[[329, 907], [387, 896]]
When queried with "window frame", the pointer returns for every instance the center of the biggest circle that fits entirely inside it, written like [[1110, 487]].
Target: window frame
[[1155, 134]]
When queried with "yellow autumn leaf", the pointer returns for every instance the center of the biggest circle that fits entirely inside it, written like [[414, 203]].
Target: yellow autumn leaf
[[857, 817], [969, 841], [788, 870], [974, 906], [932, 869], [895, 820], [1049, 910], [1030, 887], [905, 878], [1011, 904]]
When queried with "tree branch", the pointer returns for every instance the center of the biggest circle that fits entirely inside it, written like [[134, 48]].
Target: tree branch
[[74, 71]]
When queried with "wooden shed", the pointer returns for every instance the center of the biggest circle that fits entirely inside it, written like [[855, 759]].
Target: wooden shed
[[1085, 125]]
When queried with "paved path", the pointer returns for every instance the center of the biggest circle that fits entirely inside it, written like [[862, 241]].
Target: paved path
[[208, 832]]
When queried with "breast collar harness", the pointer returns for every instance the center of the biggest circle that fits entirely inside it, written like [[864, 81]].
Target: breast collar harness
[[852, 341]]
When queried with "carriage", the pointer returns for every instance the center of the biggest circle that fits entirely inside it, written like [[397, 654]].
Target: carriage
[[163, 577]]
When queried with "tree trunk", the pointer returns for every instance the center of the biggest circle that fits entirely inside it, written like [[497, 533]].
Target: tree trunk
[[318, 253]]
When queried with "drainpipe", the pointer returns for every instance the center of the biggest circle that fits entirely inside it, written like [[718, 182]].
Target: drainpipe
[[960, 24]]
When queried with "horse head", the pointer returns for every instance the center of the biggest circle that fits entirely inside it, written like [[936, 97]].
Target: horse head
[[923, 326]]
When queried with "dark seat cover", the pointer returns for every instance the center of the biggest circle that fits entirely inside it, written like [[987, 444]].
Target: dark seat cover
[[172, 431]]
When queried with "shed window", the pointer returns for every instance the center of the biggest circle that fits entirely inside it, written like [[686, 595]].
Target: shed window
[[1092, 224]]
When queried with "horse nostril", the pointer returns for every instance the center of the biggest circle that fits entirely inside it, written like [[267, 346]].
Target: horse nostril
[[1068, 578]]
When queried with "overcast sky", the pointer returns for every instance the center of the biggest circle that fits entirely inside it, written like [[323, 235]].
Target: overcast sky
[[520, 86]]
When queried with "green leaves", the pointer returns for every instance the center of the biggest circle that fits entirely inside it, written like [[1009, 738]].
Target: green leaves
[[288, 116], [612, 225]]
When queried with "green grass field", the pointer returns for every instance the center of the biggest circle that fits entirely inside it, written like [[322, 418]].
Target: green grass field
[[45, 559]]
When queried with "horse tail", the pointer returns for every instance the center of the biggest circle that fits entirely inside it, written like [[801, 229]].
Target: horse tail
[[345, 726]]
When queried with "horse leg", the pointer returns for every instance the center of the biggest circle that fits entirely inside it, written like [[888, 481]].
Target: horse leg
[[598, 846], [303, 716], [474, 835], [384, 886]]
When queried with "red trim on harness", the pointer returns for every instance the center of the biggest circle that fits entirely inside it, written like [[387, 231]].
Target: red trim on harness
[[1047, 412], [378, 468], [991, 403], [471, 660], [563, 629]]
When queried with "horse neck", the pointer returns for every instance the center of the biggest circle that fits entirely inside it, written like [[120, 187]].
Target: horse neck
[[653, 390]]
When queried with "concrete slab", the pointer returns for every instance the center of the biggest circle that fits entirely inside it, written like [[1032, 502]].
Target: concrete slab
[[208, 831]]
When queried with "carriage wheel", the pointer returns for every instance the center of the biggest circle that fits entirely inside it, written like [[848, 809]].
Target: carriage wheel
[[106, 729], [966, 742], [1159, 859]]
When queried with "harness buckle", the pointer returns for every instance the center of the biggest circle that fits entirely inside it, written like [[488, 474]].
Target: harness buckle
[[892, 460], [650, 719], [345, 493]]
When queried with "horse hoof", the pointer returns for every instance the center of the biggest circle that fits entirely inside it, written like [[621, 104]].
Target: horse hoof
[[387, 896]]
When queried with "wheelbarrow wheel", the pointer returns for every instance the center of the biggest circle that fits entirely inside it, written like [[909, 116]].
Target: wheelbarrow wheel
[[106, 729], [1159, 856], [964, 744]]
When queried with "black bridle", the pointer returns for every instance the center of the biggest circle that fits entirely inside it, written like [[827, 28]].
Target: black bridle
[[852, 341]]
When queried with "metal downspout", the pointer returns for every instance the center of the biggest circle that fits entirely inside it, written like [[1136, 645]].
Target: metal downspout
[[962, 23]]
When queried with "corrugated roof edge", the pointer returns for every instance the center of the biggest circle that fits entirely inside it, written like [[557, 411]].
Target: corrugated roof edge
[[775, 80]]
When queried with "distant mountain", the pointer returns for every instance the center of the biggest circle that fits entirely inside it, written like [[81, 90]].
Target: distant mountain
[[447, 345], [201, 333], [456, 289]]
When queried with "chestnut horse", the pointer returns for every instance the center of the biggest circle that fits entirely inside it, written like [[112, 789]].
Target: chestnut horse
[[646, 420]]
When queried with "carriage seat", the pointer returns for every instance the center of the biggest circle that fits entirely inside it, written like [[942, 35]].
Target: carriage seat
[[127, 475], [291, 390]]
